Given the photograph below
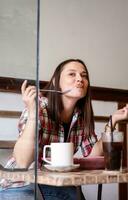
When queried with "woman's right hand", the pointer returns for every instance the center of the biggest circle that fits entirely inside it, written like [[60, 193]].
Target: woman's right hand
[[28, 96]]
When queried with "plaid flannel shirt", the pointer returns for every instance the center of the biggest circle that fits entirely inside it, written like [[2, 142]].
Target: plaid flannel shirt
[[77, 135], [47, 134]]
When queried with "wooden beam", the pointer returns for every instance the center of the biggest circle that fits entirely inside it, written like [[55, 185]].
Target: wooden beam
[[8, 84], [101, 118], [109, 94], [7, 144], [10, 114]]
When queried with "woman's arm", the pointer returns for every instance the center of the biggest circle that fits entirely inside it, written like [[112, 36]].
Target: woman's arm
[[121, 114], [97, 149], [24, 147]]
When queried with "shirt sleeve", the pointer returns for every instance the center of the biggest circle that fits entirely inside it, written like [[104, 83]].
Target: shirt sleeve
[[88, 144], [22, 121], [11, 163]]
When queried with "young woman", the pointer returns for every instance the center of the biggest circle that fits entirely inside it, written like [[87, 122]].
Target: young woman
[[66, 117]]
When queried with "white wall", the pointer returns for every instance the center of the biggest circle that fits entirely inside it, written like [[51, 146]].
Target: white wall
[[8, 126], [17, 38], [95, 31]]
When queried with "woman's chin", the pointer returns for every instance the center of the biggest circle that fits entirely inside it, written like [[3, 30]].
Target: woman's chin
[[78, 95]]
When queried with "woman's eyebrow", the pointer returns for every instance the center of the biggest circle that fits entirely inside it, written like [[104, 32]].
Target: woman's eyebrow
[[73, 70]]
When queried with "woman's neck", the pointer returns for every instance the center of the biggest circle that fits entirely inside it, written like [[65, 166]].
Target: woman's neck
[[67, 112]]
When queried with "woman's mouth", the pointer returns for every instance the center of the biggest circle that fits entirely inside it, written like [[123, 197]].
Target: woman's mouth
[[79, 86]]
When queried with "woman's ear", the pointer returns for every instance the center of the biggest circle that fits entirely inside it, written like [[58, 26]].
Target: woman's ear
[[53, 81]]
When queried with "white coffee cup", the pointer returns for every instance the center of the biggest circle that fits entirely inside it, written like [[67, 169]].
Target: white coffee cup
[[61, 154]]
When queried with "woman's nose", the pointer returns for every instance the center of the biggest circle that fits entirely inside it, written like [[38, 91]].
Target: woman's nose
[[79, 77]]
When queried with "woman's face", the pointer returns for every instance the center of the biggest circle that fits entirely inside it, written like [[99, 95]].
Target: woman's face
[[74, 76]]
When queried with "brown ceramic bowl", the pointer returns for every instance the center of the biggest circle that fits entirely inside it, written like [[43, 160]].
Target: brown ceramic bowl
[[90, 162]]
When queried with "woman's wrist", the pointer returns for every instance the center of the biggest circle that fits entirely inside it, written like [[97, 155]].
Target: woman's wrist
[[32, 117], [110, 126]]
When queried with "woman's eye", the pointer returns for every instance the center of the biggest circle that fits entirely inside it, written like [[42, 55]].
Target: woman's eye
[[85, 76], [72, 74]]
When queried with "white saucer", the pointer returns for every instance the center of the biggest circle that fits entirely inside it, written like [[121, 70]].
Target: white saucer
[[62, 168]]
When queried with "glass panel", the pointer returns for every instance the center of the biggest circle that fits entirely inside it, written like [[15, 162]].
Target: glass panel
[[18, 38]]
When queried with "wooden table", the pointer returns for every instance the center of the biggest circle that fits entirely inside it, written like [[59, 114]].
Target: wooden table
[[74, 178], [79, 177]]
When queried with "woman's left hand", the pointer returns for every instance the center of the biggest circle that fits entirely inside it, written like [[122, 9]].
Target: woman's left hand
[[121, 114]]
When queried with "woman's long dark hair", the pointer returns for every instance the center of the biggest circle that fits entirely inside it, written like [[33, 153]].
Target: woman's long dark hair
[[55, 105]]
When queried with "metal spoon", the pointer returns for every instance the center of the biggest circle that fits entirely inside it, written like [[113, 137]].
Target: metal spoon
[[56, 91]]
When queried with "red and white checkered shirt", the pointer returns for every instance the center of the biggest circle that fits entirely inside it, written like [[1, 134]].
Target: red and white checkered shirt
[[47, 133]]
